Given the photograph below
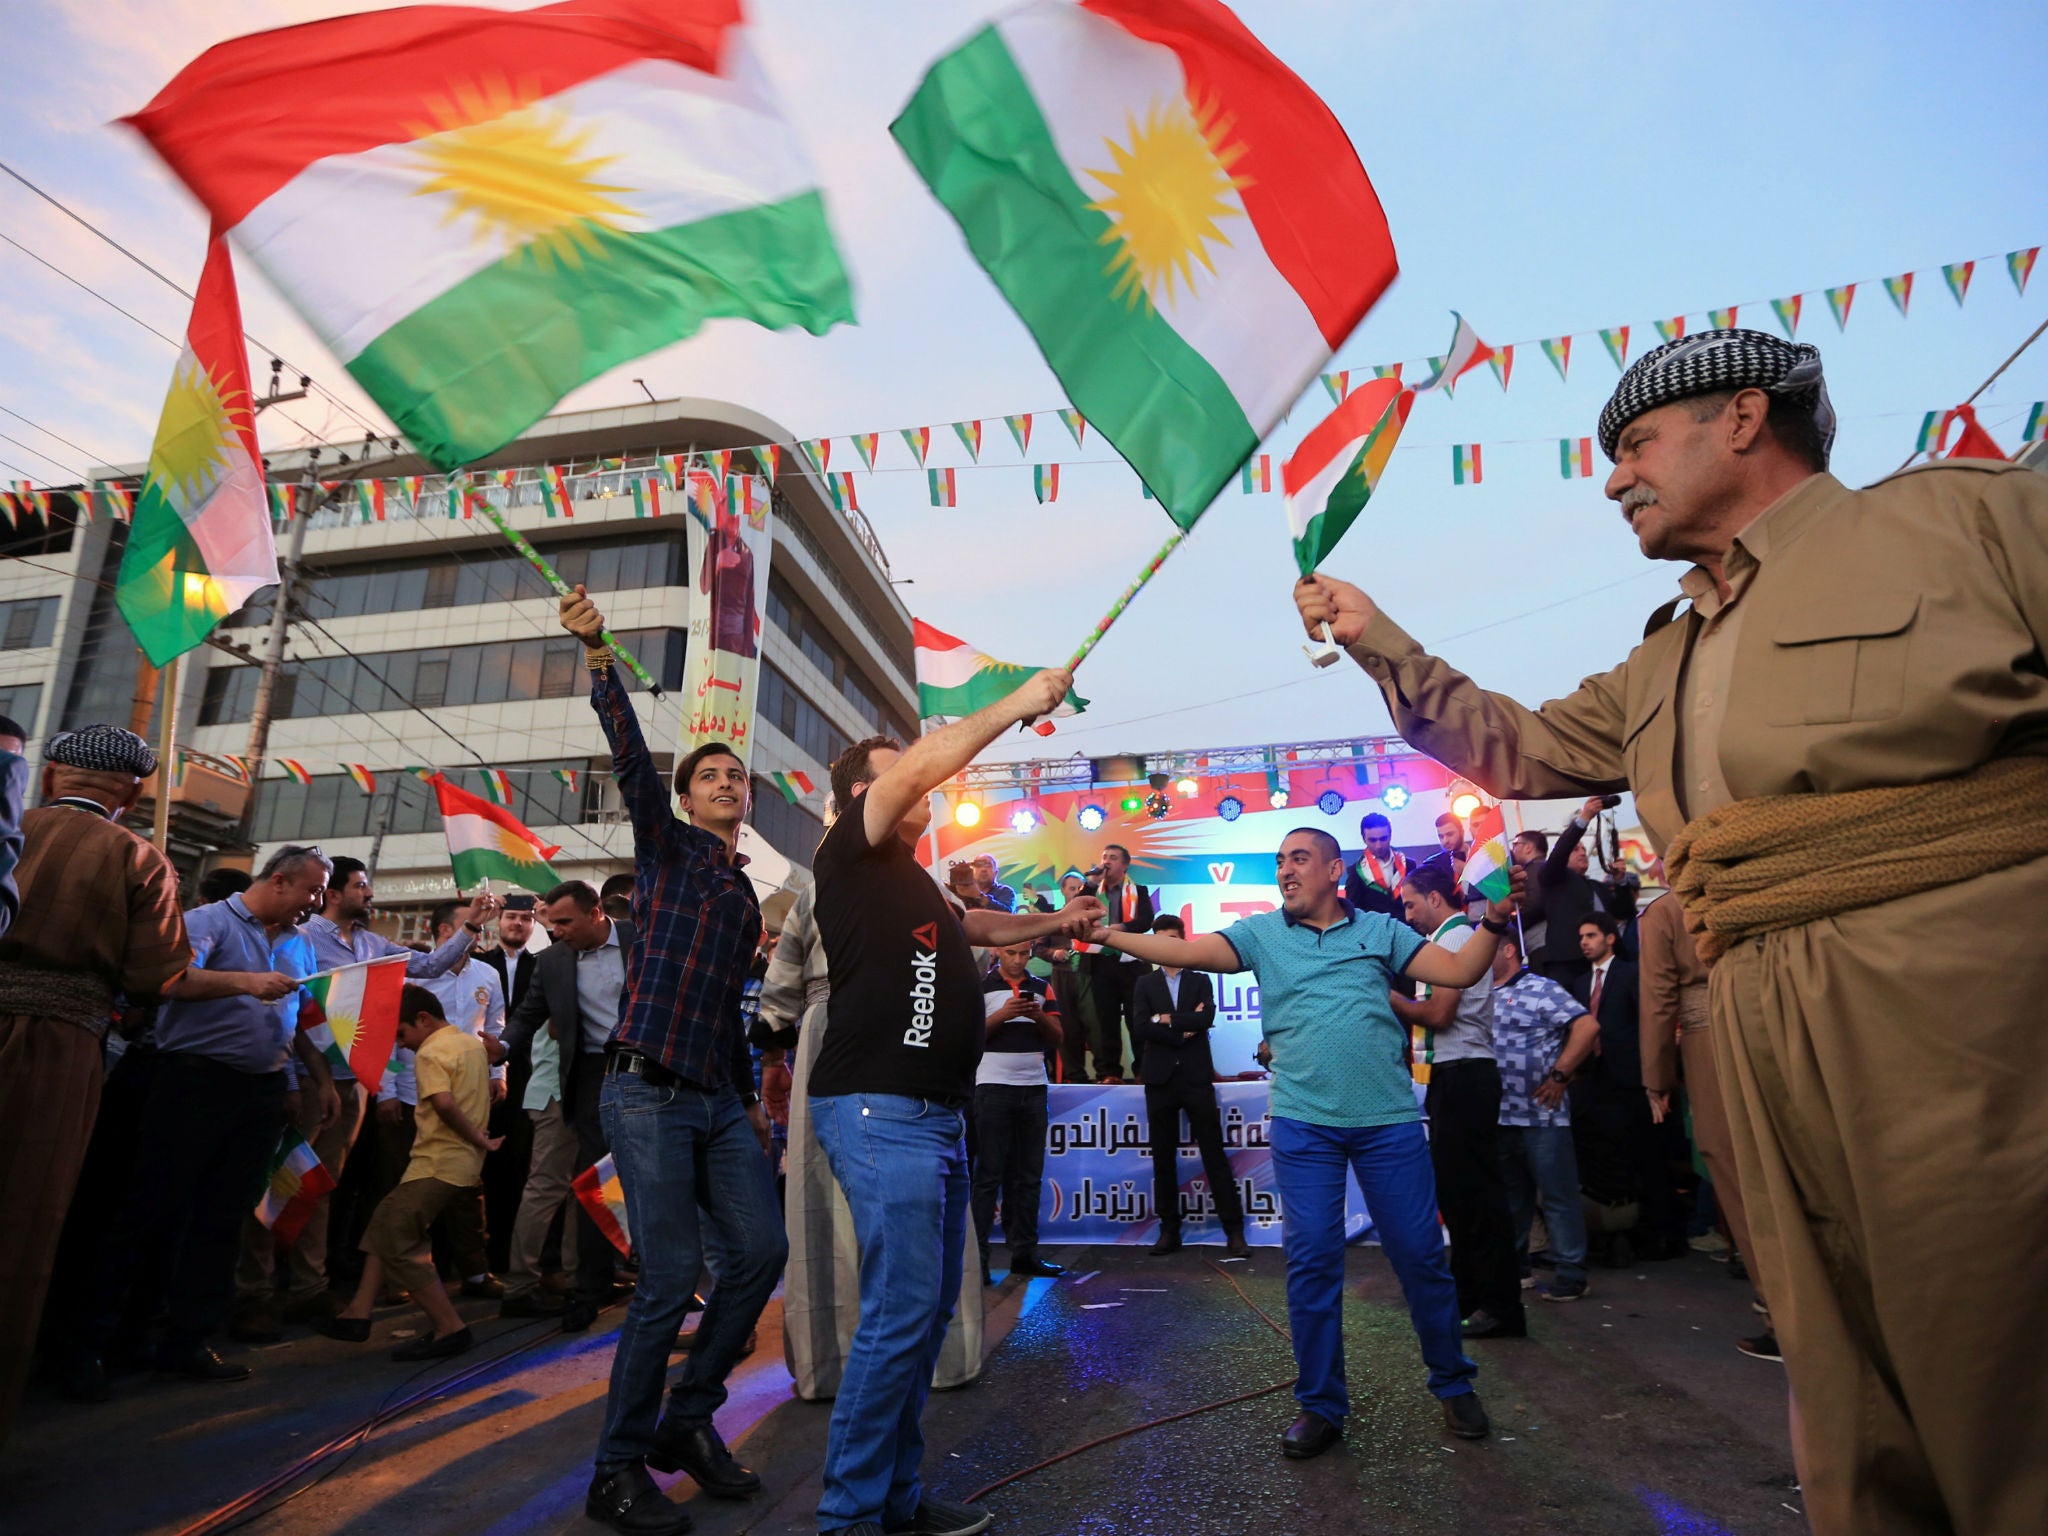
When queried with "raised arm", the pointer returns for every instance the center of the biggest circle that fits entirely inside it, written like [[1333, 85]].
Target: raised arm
[[640, 784], [932, 759], [1569, 746], [988, 928], [1207, 952]]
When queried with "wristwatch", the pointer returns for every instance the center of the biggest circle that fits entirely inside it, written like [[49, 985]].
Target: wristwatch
[[749, 1099], [1492, 927], [1558, 1077]]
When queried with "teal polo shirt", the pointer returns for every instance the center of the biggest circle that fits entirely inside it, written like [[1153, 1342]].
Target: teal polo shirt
[[1339, 1054]]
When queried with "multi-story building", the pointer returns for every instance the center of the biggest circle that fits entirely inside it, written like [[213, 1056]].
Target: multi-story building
[[425, 641]]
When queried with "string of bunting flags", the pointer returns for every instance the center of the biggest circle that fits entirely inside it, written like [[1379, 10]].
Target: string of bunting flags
[[699, 477], [497, 782]]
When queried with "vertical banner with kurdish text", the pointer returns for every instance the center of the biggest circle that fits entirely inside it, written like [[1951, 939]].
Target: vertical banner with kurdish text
[[731, 538]]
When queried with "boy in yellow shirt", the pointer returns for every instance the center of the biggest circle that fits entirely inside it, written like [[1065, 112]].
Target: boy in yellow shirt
[[447, 1157]]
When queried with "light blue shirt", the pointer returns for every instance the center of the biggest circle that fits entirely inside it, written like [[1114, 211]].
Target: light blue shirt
[[1339, 1054], [474, 1002], [241, 1032], [600, 990]]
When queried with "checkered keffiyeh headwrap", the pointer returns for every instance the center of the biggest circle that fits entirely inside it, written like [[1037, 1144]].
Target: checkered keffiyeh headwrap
[[102, 749], [1708, 362]]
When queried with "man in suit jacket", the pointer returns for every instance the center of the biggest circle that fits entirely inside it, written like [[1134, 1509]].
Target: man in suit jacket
[[1116, 976], [511, 959], [1619, 1122], [575, 1000], [1173, 1012], [506, 1170]]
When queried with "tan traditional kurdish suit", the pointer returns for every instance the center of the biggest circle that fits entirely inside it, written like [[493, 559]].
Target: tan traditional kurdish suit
[[1886, 1068]]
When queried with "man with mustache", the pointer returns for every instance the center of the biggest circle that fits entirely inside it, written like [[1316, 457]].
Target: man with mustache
[[1842, 747]]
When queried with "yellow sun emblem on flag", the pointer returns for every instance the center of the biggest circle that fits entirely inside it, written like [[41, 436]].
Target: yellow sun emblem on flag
[[520, 173], [513, 846], [196, 435], [1166, 197]]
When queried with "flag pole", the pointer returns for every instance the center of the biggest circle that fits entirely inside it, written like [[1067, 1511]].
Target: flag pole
[[167, 734], [553, 578], [1117, 608]]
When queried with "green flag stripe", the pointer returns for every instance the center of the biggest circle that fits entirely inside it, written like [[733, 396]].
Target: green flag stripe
[[562, 324], [151, 595], [975, 133], [1347, 499]]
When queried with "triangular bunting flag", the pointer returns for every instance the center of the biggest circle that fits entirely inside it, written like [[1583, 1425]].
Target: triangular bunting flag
[[1387, 371], [1616, 343], [1839, 300], [1957, 276], [1933, 427], [1787, 311], [1722, 319], [2020, 264], [919, 441], [864, 444], [769, 457], [1973, 442], [1076, 424], [819, 451], [1900, 290], [1503, 364], [2037, 423], [970, 438], [1672, 329], [1020, 429], [1559, 350], [1338, 384], [841, 487], [1467, 352]]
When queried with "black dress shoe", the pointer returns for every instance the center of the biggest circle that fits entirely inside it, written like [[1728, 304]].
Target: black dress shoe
[[942, 1517], [579, 1315], [1465, 1417], [200, 1363], [698, 1450], [629, 1502], [1235, 1246], [1484, 1325], [435, 1346], [1309, 1435], [1038, 1268], [1165, 1243]]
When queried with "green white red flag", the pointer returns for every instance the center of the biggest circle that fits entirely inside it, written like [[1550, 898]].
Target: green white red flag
[[554, 191], [297, 1181], [1575, 457], [945, 488], [1332, 475], [954, 679], [1615, 340], [2019, 265], [1957, 275], [1900, 291], [920, 441], [487, 842], [1559, 350], [200, 544], [1178, 220], [1839, 301], [1787, 311], [354, 1016], [597, 1187], [1466, 352], [1487, 870], [1020, 429]]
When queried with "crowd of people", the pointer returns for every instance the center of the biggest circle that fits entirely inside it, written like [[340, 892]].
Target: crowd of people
[[854, 1079]]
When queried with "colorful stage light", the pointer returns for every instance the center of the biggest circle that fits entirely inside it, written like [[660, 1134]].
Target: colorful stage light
[[1091, 818], [1330, 802], [1395, 796], [1230, 807]]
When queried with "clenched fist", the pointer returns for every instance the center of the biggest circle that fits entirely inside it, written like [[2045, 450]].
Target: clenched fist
[[581, 618], [1042, 694], [1326, 600]]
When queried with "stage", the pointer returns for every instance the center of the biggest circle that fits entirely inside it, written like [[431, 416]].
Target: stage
[[1630, 1412]]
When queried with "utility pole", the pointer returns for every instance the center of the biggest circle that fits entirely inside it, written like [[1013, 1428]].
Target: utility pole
[[280, 624], [390, 804]]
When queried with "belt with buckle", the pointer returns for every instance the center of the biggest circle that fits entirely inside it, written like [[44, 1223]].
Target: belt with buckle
[[646, 1068]]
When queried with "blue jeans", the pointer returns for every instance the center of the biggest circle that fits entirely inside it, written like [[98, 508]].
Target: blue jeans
[[903, 1165], [1542, 1169], [1394, 1174], [686, 1157]]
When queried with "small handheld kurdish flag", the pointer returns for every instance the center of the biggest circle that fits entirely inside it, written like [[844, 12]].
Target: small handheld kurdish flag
[[1487, 870], [297, 1181], [597, 1187], [487, 842], [201, 543], [1178, 220], [555, 191], [354, 1017], [954, 679], [1334, 472]]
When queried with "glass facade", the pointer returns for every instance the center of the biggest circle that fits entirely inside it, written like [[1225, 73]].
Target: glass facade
[[788, 613], [19, 703], [333, 805], [500, 672], [792, 828], [27, 624]]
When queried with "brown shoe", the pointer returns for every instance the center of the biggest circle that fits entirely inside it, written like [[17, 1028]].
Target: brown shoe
[[558, 1283]]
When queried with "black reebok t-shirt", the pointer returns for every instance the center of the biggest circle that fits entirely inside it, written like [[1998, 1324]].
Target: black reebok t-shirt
[[905, 1013]]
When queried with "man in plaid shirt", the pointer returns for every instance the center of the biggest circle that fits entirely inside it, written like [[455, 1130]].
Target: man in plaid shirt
[[685, 1126]]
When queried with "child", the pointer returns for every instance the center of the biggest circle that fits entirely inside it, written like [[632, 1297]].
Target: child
[[447, 1157]]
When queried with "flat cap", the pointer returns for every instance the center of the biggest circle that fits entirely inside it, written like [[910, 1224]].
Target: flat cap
[[1708, 362], [521, 903], [102, 749]]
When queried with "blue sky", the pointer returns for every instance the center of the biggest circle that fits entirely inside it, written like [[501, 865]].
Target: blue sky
[[1544, 169]]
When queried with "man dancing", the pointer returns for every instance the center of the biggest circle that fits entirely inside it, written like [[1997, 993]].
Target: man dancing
[[1842, 747], [685, 1127], [1342, 1100]]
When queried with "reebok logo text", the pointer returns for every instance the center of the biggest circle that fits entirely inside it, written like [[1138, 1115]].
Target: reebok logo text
[[924, 976]]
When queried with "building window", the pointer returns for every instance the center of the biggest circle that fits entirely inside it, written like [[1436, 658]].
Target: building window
[[797, 717], [19, 703], [503, 671], [793, 830], [28, 624], [333, 806]]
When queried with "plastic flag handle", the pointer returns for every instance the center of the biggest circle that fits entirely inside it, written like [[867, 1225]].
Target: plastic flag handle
[[1324, 652]]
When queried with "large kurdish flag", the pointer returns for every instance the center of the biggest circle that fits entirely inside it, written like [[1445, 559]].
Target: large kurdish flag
[[355, 1017], [200, 544], [954, 679], [1332, 474], [1179, 221], [487, 842], [479, 210]]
